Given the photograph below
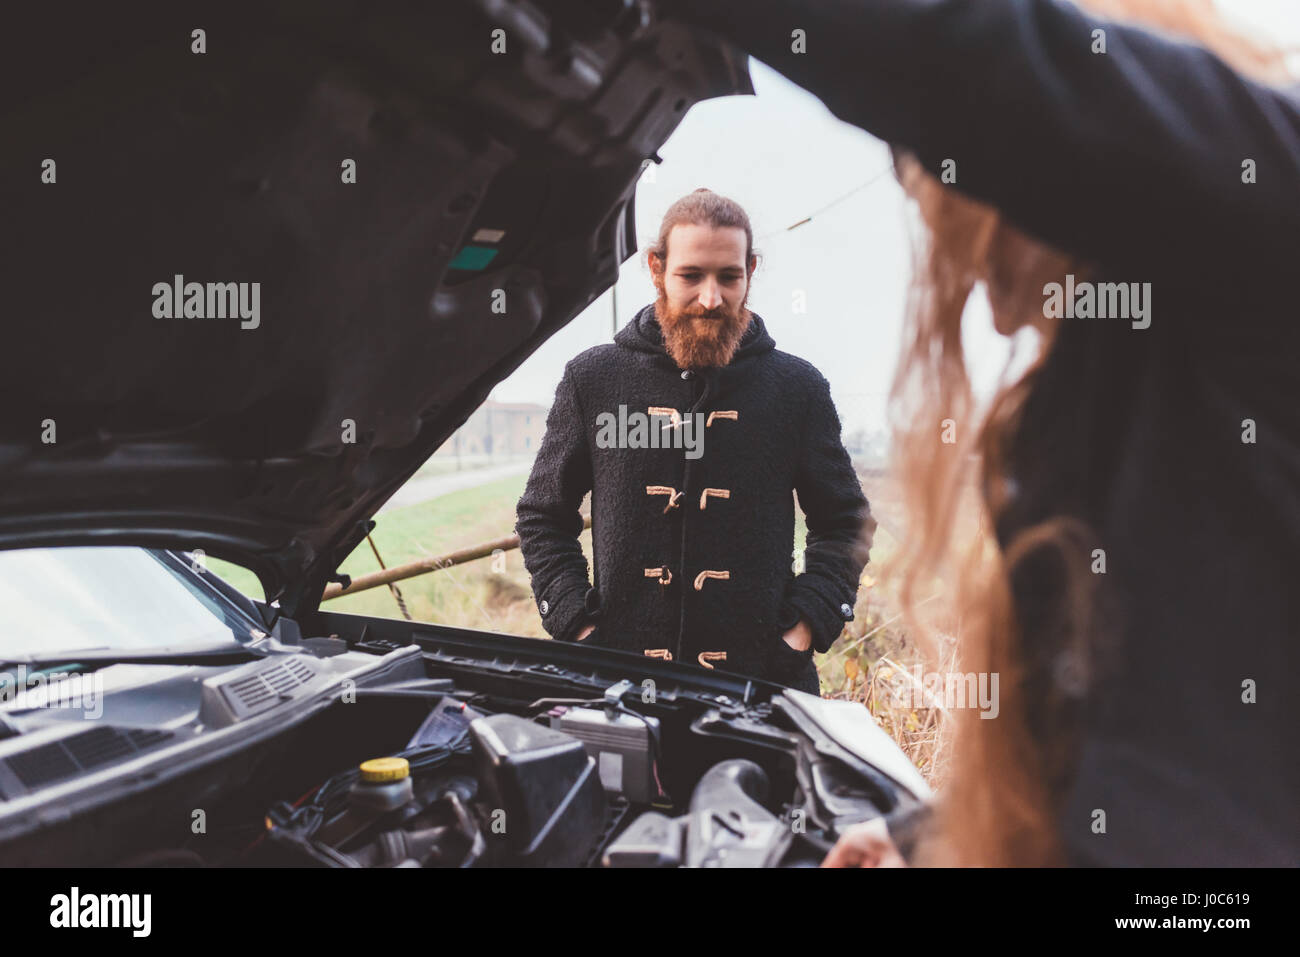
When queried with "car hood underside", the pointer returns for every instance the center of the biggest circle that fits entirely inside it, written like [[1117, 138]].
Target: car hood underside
[[363, 320]]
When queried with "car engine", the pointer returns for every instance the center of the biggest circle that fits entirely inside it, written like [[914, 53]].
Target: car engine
[[559, 789]]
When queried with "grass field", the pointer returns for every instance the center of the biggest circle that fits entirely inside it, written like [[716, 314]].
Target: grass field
[[480, 594]]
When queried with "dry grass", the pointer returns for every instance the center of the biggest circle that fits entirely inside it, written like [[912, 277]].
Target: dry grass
[[876, 659], [880, 674]]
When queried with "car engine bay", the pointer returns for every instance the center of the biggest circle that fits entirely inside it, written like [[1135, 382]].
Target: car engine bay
[[434, 754]]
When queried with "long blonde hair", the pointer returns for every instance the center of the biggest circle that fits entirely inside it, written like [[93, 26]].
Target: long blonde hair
[[1000, 803]]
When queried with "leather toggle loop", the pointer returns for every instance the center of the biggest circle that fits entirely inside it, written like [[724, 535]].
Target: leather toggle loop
[[731, 414], [699, 579], [715, 492], [672, 493], [663, 573], [707, 656], [665, 410]]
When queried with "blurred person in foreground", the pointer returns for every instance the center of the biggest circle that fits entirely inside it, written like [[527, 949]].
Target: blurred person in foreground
[[1124, 180]]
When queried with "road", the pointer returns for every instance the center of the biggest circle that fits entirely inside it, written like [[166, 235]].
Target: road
[[419, 490]]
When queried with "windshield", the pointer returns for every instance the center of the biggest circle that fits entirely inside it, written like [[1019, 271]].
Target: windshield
[[58, 600]]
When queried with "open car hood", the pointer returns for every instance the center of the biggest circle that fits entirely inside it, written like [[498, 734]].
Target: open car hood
[[270, 438]]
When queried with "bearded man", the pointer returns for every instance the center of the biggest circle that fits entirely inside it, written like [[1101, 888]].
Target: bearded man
[[692, 549]]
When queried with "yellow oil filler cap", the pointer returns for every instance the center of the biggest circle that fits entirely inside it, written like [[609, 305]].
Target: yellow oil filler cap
[[382, 770]]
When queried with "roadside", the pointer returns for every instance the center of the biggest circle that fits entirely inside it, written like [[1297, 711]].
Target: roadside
[[423, 488]]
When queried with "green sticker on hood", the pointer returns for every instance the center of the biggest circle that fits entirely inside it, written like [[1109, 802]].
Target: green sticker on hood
[[472, 258]]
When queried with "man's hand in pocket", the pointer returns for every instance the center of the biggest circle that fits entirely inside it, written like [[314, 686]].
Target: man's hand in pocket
[[799, 637], [585, 632]]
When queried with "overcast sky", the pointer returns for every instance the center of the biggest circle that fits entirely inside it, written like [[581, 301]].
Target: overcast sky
[[783, 157]]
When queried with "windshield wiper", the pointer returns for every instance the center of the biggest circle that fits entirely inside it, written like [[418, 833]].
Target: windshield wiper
[[89, 660]]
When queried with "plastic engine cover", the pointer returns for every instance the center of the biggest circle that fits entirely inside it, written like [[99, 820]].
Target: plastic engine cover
[[546, 784]]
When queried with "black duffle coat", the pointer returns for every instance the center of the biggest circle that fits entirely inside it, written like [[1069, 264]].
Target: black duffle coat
[[693, 540]]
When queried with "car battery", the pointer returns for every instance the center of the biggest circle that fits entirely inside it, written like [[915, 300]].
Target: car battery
[[622, 746]]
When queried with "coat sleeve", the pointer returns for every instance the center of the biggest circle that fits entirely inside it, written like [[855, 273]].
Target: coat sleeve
[[1134, 156], [549, 522], [840, 527]]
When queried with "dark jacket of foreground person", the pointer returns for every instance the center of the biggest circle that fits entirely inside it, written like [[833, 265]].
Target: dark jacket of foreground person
[[1177, 444], [709, 578]]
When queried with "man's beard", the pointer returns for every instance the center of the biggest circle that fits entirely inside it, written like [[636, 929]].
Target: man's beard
[[699, 338]]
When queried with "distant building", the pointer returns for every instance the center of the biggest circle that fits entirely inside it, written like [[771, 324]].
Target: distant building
[[497, 431], [868, 449]]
